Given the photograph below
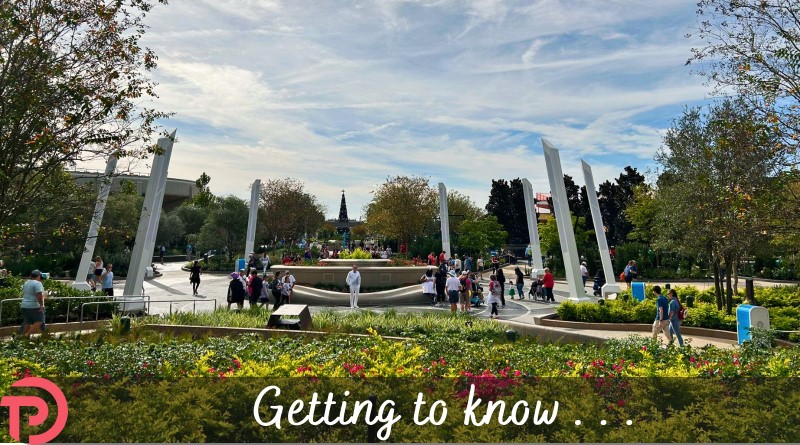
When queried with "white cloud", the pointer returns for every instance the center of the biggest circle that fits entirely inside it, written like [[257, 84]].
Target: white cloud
[[344, 94]]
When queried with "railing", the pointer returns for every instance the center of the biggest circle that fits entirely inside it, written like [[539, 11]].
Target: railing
[[148, 303], [70, 299]]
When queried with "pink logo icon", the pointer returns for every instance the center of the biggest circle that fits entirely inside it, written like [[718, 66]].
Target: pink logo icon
[[15, 402]]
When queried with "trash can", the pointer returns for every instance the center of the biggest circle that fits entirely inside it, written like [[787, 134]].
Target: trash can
[[241, 263], [750, 317], [637, 290]]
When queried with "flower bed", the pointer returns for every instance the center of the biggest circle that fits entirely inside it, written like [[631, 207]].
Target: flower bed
[[783, 304], [149, 388]]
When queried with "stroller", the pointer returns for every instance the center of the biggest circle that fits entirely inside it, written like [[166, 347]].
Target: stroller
[[599, 282], [477, 296], [536, 290]]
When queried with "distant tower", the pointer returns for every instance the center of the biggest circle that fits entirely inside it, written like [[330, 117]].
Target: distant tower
[[343, 216], [343, 210]]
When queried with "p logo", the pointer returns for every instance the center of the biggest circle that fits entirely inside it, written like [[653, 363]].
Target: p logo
[[15, 402]]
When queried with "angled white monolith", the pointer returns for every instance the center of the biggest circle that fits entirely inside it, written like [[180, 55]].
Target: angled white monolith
[[94, 228], [148, 221], [255, 195], [444, 217], [533, 228], [564, 223], [597, 219]]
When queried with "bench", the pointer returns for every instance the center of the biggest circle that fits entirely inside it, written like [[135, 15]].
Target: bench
[[300, 311]]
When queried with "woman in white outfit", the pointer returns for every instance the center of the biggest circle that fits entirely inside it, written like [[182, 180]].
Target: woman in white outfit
[[354, 281]]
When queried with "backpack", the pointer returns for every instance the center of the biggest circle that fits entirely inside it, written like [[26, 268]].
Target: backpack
[[622, 276], [681, 311]]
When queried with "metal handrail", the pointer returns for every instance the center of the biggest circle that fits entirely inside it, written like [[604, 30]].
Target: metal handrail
[[148, 303], [68, 302]]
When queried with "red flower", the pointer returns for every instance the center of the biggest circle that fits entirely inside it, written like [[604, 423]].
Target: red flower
[[89, 362], [106, 376]]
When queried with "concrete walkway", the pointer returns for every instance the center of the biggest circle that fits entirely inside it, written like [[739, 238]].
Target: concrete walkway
[[172, 292]]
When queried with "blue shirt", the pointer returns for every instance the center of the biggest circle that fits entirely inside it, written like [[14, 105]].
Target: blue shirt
[[662, 303], [674, 306], [108, 280], [29, 291]]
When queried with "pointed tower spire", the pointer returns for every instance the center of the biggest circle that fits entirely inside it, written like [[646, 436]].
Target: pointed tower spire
[[343, 210]]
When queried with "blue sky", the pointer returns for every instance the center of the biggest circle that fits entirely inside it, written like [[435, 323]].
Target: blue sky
[[342, 94]]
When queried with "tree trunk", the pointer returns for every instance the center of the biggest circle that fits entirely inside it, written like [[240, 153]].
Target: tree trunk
[[735, 273], [717, 283], [729, 283]]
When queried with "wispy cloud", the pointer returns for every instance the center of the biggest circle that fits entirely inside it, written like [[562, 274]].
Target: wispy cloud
[[344, 94]]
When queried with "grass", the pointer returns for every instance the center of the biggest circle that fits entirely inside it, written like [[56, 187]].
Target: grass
[[390, 322]]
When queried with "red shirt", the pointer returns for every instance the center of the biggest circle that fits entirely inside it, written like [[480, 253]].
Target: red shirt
[[441, 258], [548, 281], [431, 259]]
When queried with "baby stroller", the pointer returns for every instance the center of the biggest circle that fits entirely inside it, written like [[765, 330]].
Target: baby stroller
[[599, 282], [477, 296], [536, 290]]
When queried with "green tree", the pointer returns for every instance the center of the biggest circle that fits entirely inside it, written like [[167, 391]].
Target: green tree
[[460, 209], [480, 234], [401, 208], [73, 85], [551, 242], [170, 229], [121, 219], [721, 181], [753, 47], [225, 229], [204, 198], [614, 199], [507, 203], [192, 216], [287, 211]]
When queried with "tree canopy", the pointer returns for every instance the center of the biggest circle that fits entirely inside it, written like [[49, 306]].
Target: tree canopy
[[287, 211], [401, 208], [753, 47]]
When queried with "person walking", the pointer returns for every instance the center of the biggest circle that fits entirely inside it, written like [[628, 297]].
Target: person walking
[[107, 280], [429, 285], [453, 286], [32, 304], [479, 263], [520, 283], [288, 274], [194, 276], [675, 309], [495, 291], [548, 283], [495, 264], [276, 286], [661, 323], [254, 288], [354, 281], [441, 283], [457, 265], [236, 292], [584, 273], [468, 264], [631, 273], [161, 251], [501, 278], [286, 290], [98, 272]]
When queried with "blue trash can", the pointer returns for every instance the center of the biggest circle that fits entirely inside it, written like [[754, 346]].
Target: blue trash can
[[637, 290], [241, 263], [750, 317]]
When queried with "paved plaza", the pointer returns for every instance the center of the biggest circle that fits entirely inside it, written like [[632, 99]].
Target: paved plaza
[[172, 292]]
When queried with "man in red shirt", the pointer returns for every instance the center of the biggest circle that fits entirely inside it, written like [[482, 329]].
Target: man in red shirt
[[431, 259], [548, 282], [442, 258]]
